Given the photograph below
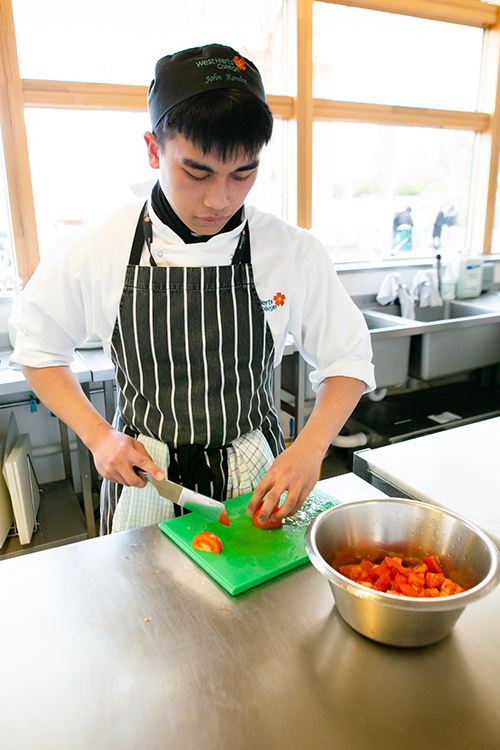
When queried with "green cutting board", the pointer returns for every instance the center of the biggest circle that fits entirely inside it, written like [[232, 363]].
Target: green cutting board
[[250, 556]]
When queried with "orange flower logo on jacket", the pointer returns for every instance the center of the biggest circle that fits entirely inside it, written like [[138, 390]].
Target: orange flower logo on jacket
[[273, 303], [239, 62]]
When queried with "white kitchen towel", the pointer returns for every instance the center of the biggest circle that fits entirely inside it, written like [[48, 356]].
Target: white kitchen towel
[[389, 288], [249, 457], [393, 288], [425, 289], [142, 506]]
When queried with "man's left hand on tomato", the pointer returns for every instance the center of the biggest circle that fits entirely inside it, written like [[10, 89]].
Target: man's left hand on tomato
[[294, 471]]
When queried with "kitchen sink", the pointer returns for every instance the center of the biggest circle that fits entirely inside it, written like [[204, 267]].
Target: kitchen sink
[[454, 338], [449, 310], [391, 352], [391, 349]]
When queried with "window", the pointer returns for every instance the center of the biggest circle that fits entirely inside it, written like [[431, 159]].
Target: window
[[495, 244], [379, 112], [119, 42], [269, 193], [366, 177], [382, 190], [367, 56], [85, 163], [6, 257]]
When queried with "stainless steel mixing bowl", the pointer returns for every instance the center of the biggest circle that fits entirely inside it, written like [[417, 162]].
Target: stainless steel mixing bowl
[[419, 530]]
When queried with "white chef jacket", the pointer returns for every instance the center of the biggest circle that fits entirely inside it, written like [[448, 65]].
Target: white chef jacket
[[76, 289]]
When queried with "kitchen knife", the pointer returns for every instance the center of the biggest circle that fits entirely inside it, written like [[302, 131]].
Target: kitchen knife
[[189, 499]]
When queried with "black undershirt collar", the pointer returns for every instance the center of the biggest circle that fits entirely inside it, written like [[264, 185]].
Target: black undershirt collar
[[167, 215]]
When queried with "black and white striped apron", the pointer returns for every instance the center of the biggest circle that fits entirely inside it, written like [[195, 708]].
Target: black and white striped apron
[[194, 362]]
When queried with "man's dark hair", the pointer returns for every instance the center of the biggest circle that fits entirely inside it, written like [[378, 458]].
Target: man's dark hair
[[224, 121]]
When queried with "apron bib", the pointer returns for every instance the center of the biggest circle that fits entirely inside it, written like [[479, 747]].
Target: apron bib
[[194, 361]]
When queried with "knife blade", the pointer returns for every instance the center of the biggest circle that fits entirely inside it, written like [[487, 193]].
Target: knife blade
[[189, 499]]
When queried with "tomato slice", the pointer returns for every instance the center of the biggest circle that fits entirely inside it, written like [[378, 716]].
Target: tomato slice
[[207, 542], [269, 524]]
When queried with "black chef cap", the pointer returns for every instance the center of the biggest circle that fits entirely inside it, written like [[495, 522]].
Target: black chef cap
[[193, 71]]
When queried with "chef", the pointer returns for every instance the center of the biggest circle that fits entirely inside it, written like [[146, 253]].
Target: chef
[[193, 294]]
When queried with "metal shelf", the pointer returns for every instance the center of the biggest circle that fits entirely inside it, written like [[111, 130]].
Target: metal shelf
[[60, 518]]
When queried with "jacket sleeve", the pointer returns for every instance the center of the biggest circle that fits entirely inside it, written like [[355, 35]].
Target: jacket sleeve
[[329, 330], [75, 291], [51, 320]]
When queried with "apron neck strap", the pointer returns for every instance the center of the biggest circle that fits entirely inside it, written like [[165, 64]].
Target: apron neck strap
[[139, 238], [144, 233], [242, 252]]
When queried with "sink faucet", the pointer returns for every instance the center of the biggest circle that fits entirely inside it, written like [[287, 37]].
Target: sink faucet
[[402, 289], [418, 291], [406, 301]]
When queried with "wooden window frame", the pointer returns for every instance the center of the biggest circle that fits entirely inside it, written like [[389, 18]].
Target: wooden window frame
[[17, 93], [485, 123]]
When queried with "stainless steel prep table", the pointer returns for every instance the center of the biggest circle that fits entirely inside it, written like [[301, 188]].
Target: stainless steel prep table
[[102, 371], [13, 383], [12, 380], [121, 643], [456, 469], [89, 366]]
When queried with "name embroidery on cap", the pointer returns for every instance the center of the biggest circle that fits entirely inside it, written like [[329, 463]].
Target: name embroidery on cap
[[236, 65]]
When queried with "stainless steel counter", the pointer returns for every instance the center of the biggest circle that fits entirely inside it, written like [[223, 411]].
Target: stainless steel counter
[[452, 468], [89, 366], [123, 643]]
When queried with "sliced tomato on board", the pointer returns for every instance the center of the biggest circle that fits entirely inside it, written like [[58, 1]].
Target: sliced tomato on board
[[268, 524], [207, 542]]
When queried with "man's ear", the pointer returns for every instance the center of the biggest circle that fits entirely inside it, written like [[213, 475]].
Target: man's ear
[[153, 150]]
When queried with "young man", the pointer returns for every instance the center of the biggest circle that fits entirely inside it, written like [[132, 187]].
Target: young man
[[193, 295]]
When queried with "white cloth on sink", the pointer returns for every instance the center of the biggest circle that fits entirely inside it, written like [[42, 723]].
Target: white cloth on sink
[[393, 288], [425, 289], [389, 288]]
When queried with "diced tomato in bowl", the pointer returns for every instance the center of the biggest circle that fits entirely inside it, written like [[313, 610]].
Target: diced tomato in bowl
[[394, 535], [393, 577]]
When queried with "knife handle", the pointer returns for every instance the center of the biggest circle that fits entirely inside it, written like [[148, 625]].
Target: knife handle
[[140, 473]]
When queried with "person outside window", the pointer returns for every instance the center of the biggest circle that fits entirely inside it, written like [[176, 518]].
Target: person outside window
[[403, 230]]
